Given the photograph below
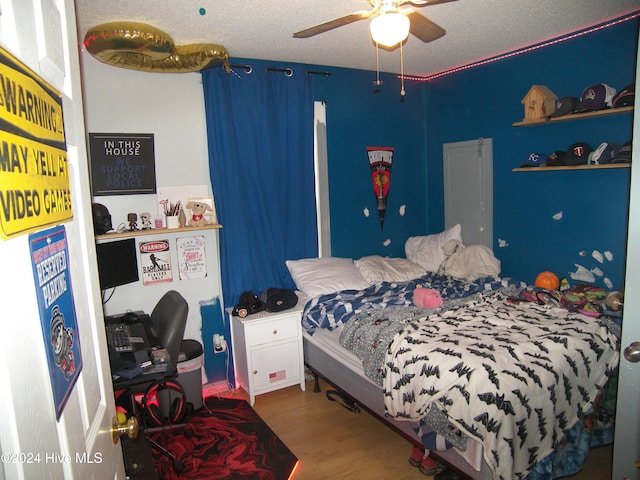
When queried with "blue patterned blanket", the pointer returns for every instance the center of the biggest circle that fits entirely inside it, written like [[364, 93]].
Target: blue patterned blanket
[[329, 311]]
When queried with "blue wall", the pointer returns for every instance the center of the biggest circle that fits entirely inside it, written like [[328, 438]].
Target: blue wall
[[485, 101], [360, 114]]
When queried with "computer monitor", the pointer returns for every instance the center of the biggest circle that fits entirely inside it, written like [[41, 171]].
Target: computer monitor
[[117, 263]]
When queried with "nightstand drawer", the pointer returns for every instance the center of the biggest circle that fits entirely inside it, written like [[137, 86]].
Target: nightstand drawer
[[271, 330]]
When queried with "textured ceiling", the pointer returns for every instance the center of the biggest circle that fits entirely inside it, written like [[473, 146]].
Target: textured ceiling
[[476, 29]]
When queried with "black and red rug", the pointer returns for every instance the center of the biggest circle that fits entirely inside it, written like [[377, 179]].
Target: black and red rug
[[224, 439]]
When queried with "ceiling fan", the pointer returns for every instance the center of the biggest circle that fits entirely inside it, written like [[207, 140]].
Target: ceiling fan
[[418, 25]]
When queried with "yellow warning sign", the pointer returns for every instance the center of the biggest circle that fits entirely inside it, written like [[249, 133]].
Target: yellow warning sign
[[34, 174]]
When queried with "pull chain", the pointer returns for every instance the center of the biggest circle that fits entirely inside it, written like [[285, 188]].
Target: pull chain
[[378, 82], [402, 92]]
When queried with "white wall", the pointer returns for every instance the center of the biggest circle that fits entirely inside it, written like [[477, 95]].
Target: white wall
[[171, 107]]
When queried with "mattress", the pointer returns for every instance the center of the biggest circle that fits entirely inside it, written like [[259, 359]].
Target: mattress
[[325, 356]]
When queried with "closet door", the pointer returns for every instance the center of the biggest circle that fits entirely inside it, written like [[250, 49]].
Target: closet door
[[468, 189], [626, 444]]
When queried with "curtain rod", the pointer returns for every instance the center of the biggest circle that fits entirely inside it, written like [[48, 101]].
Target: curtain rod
[[247, 68], [287, 71], [311, 72]]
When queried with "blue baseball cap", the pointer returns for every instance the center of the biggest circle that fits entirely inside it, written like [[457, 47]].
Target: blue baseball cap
[[535, 160]]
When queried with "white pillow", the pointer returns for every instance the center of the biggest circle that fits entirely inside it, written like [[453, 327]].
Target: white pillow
[[375, 268], [427, 251], [319, 276]]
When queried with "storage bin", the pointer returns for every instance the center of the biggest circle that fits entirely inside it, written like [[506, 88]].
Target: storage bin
[[190, 363]]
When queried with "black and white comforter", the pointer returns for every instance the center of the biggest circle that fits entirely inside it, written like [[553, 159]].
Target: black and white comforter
[[513, 376]]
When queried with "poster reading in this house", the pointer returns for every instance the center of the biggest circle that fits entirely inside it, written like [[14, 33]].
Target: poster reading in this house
[[122, 163], [192, 258], [50, 260], [155, 259]]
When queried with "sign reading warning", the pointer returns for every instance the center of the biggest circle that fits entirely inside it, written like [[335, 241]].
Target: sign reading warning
[[34, 173]]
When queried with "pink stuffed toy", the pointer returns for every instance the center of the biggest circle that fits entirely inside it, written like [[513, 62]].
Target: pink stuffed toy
[[427, 297]]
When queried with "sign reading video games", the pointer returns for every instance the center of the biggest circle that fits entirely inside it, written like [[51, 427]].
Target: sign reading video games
[[34, 172], [122, 164]]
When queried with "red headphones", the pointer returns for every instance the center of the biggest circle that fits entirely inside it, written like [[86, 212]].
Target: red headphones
[[159, 394]]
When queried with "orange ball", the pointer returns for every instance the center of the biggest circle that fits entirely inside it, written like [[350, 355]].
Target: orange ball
[[548, 280]]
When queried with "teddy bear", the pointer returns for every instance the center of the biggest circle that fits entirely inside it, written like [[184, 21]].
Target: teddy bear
[[198, 212]]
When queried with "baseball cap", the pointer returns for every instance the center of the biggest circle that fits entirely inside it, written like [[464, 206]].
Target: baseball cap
[[565, 106], [625, 97], [623, 155], [279, 299], [603, 154], [556, 159], [578, 154], [596, 97], [535, 160]]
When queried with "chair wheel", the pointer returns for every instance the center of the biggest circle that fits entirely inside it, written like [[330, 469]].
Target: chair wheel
[[178, 467], [188, 432]]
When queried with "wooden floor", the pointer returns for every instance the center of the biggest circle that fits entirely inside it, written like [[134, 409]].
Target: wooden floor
[[334, 443]]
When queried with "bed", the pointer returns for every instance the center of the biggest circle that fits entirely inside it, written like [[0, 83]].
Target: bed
[[519, 383]]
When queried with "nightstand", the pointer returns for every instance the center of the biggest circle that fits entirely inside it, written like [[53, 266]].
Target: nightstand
[[267, 350]]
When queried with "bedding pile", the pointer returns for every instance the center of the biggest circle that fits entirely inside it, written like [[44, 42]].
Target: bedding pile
[[513, 376]]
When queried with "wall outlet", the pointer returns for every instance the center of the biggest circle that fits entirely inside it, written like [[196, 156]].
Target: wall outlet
[[219, 343]]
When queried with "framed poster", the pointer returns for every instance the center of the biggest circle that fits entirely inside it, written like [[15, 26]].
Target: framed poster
[[50, 257], [122, 163]]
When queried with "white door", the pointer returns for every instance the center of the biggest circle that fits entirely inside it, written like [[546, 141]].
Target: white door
[[468, 189], [42, 34], [626, 454]]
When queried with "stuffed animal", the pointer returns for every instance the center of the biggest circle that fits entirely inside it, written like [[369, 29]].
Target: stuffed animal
[[198, 213], [427, 297]]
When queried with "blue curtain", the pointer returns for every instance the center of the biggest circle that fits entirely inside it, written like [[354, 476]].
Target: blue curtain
[[260, 138]]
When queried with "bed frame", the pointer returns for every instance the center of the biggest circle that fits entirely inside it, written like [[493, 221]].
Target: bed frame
[[368, 395]]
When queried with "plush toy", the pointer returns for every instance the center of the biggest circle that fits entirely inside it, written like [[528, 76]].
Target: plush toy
[[198, 213], [427, 297]]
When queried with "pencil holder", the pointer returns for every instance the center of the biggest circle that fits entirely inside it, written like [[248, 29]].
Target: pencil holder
[[172, 221]]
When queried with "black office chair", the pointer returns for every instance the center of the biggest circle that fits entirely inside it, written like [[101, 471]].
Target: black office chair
[[168, 322], [163, 402]]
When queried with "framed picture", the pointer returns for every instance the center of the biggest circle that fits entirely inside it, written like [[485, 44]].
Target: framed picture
[[200, 211]]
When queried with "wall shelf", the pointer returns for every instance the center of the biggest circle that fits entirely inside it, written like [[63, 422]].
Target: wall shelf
[[570, 167], [154, 231], [574, 116]]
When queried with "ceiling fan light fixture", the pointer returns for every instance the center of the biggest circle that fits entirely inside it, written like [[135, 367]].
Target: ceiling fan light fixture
[[389, 29]]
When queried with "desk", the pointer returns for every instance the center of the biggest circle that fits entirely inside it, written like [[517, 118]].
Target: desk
[[123, 361]]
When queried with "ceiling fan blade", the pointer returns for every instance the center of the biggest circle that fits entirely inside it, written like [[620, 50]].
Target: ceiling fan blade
[[338, 22], [425, 3], [423, 28]]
